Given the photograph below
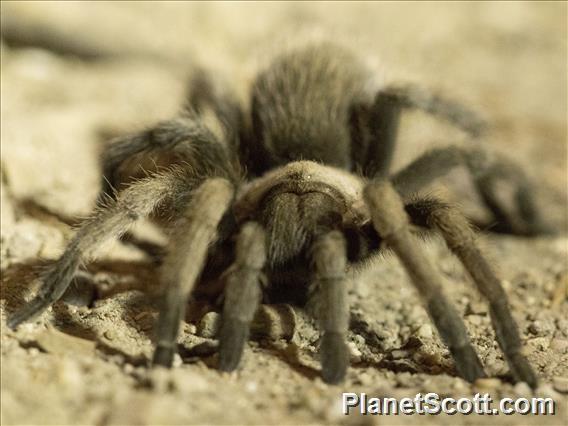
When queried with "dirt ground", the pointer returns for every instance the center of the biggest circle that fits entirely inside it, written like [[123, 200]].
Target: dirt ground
[[75, 74]]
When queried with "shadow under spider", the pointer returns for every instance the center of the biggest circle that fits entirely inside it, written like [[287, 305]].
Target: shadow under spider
[[19, 278]]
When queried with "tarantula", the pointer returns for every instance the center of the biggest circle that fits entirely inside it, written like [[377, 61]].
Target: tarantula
[[280, 201]]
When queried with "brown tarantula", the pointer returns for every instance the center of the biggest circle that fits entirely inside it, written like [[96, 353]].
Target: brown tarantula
[[281, 201]]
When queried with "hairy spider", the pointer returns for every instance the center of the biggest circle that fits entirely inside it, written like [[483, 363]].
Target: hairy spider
[[293, 194]]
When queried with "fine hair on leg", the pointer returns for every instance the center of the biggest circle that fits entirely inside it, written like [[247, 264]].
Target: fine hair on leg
[[392, 223], [135, 202], [191, 236], [461, 240], [329, 262], [242, 294], [185, 141]]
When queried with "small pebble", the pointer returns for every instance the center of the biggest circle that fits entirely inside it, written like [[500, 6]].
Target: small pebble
[[359, 340], [523, 389], [425, 331], [488, 383], [476, 308], [251, 387], [426, 358], [33, 351], [399, 354], [537, 328], [190, 328], [475, 319], [560, 345], [110, 334], [208, 325], [459, 385], [354, 352], [177, 361], [292, 352], [506, 284], [541, 343], [560, 384], [141, 315], [546, 390], [562, 326]]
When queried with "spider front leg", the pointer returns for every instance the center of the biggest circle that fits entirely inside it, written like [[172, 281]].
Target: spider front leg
[[461, 240], [136, 202], [191, 236], [392, 223], [329, 258], [242, 294]]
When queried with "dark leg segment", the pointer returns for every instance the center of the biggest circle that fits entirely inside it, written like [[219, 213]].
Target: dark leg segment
[[374, 127], [329, 257], [412, 96], [242, 294], [137, 201], [211, 93], [198, 227], [374, 130], [487, 170], [391, 222], [184, 141], [461, 239]]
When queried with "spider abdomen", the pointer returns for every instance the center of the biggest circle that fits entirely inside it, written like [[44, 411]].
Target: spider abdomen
[[300, 106]]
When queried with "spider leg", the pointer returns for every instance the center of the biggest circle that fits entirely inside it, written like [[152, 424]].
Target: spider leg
[[191, 237], [185, 140], [408, 95], [391, 222], [461, 240], [212, 93], [329, 258], [137, 201], [374, 127], [242, 294], [487, 171], [374, 130]]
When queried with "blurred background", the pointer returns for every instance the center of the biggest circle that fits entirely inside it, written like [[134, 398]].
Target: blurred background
[[74, 74]]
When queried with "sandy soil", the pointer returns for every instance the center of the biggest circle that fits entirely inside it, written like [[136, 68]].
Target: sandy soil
[[74, 74]]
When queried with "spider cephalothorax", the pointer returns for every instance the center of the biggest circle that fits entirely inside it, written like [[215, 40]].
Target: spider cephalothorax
[[293, 195]]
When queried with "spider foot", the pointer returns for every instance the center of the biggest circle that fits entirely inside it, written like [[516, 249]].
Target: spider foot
[[522, 370], [468, 364], [163, 356], [232, 338], [334, 357], [27, 312]]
